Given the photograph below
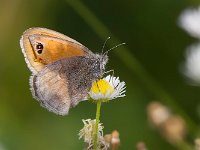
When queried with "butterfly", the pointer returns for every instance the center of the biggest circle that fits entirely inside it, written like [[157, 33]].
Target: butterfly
[[63, 69]]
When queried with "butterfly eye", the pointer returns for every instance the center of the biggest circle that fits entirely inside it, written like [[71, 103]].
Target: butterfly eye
[[39, 48]]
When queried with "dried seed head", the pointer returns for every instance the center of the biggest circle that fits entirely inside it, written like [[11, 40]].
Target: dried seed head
[[141, 146], [197, 144], [157, 113], [174, 129]]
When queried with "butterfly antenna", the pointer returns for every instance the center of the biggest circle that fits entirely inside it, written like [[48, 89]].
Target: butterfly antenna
[[104, 44], [114, 48]]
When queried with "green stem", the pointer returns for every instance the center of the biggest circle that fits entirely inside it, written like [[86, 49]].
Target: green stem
[[97, 124]]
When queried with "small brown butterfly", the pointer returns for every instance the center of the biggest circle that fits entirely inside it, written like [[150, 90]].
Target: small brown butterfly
[[63, 70]]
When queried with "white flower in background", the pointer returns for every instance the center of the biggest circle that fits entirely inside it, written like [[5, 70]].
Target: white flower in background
[[107, 88], [87, 133], [190, 21], [192, 64]]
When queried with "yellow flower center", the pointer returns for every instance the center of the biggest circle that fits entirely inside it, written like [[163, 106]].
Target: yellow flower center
[[102, 86]]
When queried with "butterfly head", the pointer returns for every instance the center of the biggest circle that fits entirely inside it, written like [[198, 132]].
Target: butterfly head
[[99, 63], [103, 59]]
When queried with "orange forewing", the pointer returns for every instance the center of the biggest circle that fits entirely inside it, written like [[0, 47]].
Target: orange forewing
[[56, 46]]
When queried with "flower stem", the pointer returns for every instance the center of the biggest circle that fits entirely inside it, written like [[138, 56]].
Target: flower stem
[[97, 124]]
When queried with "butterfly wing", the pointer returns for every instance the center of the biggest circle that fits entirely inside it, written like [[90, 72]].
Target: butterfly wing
[[42, 46], [64, 83]]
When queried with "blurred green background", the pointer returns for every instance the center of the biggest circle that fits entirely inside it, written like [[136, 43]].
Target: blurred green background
[[152, 36]]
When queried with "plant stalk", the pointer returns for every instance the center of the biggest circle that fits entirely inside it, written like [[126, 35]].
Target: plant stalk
[[97, 125]]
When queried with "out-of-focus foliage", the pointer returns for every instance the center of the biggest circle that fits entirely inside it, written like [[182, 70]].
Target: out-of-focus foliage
[[150, 31]]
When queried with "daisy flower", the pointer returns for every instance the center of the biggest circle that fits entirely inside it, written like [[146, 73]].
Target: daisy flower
[[102, 90], [107, 88]]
